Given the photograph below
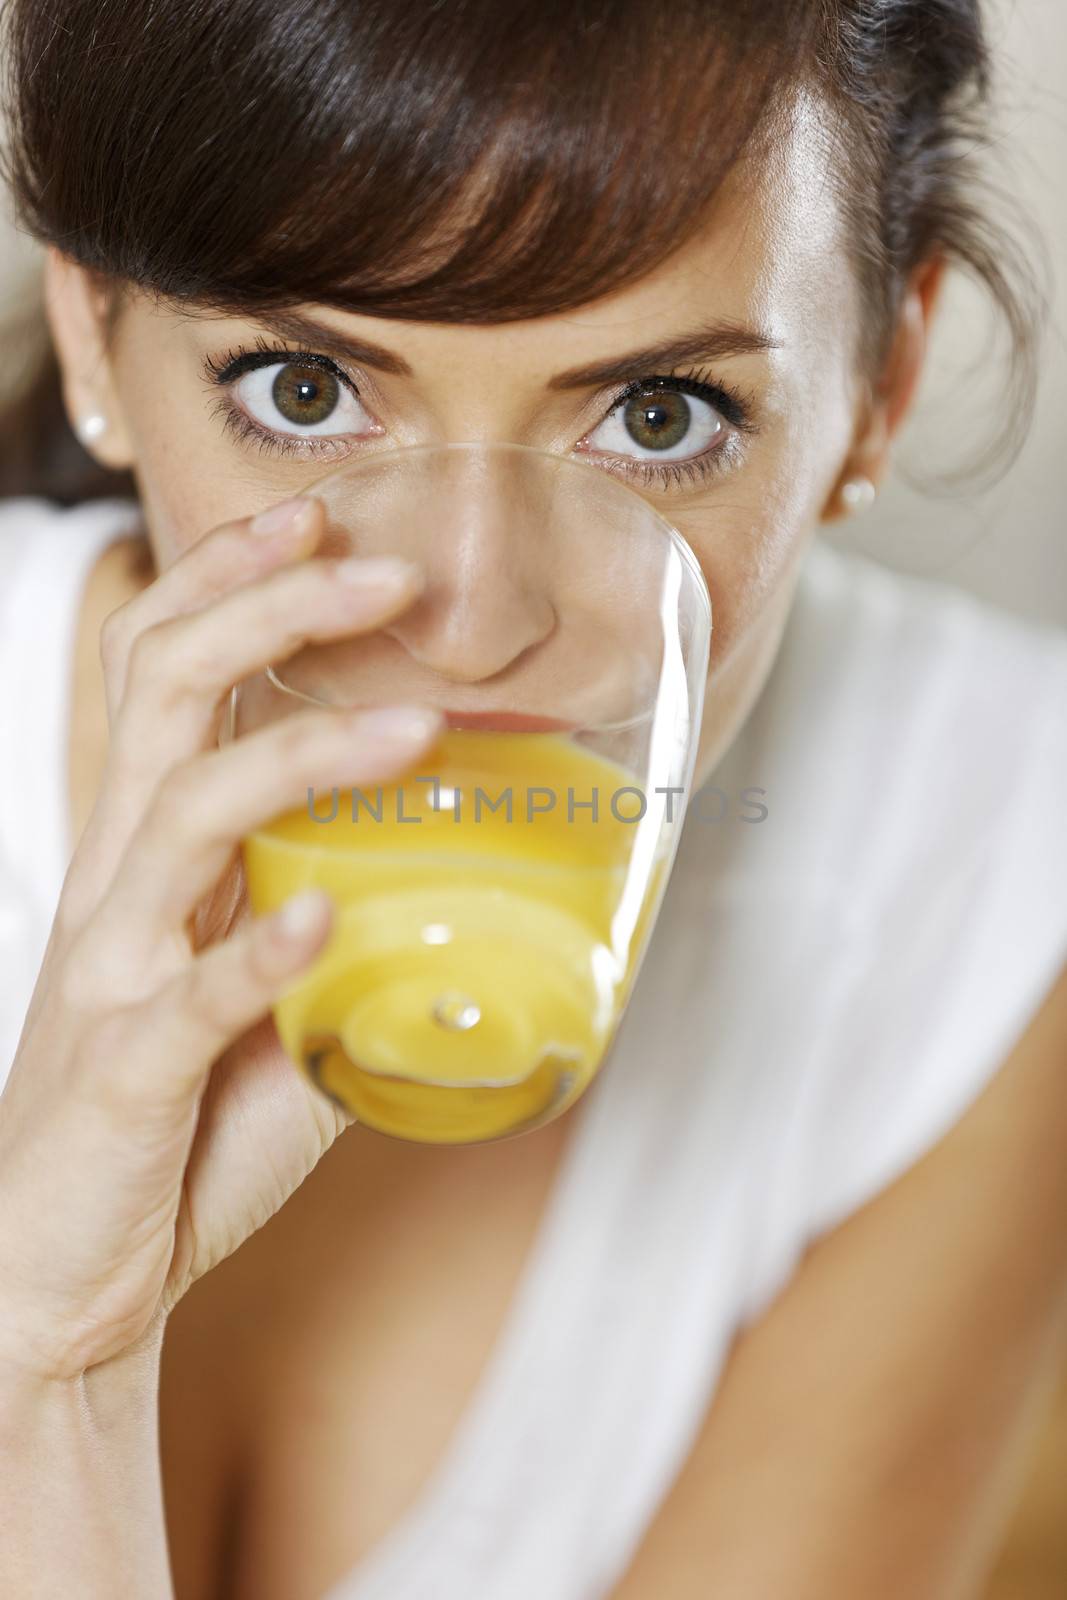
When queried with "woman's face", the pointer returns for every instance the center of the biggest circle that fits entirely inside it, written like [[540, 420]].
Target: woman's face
[[744, 455]]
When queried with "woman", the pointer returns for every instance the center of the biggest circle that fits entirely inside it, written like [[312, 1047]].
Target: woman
[[765, 1314]]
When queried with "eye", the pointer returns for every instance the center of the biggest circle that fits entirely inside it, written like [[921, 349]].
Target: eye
[[655, 422], [298, 398]]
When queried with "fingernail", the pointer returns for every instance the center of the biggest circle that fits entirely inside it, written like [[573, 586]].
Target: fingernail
[[400, 724], [286, 514], [376, 572], [301, 913]]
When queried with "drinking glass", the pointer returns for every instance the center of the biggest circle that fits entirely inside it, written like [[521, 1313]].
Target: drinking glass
[[492, 906]]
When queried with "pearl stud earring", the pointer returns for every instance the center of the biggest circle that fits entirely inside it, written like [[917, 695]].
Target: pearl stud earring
[[91, 427], [858, 494]]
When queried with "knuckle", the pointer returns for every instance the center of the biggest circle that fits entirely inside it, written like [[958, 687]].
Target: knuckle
[[206, 1007], [72, 910], [177, 657], [82, 884], [180, 798], [79, 983], [116, 632], [199, 665], [148, 651]]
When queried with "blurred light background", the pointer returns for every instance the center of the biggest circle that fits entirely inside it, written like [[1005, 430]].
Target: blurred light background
[[1007, 544]]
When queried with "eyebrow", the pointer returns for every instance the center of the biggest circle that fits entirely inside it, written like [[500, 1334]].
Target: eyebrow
[[711, 342], [306, 330]]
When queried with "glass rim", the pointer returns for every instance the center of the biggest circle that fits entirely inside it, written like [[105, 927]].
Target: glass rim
[[618, 726], [674, 538]]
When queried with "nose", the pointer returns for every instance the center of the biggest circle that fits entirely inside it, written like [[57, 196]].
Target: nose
[[487, 598]]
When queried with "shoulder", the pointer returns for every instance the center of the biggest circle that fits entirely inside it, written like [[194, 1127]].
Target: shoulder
[[920, 644], [912, 743], [905, 1299], [864, 1434], [911, 688], [907, 732]]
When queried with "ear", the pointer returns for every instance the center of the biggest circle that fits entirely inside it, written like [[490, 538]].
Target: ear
[[76, 304], [889, 401]]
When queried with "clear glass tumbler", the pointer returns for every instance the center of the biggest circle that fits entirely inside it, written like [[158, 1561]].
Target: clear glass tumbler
[[493, 906]]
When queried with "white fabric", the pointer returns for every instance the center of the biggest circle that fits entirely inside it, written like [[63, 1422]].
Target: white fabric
[[45, 557], [825, 994]]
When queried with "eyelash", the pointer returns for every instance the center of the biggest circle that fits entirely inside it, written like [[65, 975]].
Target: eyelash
[[734, 406]]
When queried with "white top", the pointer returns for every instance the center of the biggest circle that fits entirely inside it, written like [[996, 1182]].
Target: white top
[[826, 992]]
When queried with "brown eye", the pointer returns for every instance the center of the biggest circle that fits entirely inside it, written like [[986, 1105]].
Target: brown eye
[[657, 420], [299, 399], [305, 395], [656, 423]]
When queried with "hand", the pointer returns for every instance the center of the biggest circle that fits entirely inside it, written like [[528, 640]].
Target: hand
[[128, 1166]]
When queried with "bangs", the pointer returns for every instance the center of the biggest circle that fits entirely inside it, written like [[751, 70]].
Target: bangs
[[473, 161]]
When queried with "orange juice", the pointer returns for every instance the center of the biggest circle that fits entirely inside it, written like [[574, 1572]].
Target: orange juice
[[487, 930]]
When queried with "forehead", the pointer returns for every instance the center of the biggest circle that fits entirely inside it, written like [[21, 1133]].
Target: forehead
[[770, 255]]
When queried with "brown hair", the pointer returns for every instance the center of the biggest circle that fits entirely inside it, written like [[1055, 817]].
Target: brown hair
[[471, 160]]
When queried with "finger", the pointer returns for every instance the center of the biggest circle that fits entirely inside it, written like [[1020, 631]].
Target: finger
[[181, 668], [207, 806], [234, 553], [151, 1059]]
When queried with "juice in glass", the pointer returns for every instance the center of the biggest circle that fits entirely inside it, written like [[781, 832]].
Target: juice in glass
[[483, 946]]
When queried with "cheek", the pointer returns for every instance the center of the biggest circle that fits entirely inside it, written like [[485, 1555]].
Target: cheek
[[746, 549], [190, 475], [749, 534]]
